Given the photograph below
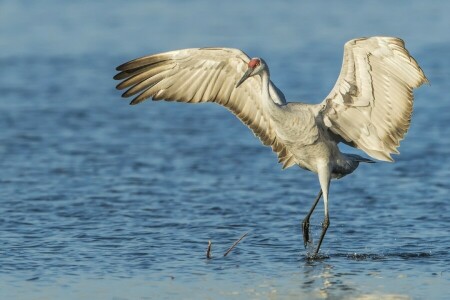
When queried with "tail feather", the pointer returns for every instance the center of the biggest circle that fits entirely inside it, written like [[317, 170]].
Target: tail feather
[[349, 165], [358, 158]]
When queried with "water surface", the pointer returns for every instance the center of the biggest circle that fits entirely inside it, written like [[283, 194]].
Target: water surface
[[102, 200]]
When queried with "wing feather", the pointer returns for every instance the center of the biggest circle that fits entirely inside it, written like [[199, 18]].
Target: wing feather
[[371, 103], [205, 75]]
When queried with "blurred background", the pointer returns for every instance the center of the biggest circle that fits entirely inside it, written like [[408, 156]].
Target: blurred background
[[102, 200]]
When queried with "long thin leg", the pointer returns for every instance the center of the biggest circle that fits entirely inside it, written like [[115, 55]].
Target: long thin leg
[[325, 224], [324, 179], [305, 223]]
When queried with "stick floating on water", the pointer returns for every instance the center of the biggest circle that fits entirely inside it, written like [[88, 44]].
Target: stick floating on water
[[208, 251], [235, 244]]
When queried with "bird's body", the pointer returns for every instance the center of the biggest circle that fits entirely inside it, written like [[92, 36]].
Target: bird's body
[[369, 107]]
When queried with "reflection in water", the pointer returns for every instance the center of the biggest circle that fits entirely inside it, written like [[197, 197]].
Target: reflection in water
[[323, 281]]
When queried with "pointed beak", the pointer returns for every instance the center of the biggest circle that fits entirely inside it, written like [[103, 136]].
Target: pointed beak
[[246, 75]]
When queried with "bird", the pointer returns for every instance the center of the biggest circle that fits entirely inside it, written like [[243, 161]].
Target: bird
[[369, 107]]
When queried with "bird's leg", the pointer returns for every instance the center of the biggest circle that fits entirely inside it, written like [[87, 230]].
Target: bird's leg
[[325, 224], [305, 222], [324, 179]]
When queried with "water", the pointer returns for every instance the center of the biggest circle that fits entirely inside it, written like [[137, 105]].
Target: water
[[102, 200]]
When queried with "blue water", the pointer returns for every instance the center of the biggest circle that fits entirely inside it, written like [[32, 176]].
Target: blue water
[[100, 200]]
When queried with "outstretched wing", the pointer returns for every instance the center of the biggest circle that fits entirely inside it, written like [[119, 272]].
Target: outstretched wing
[[371, 103], [205, 75]]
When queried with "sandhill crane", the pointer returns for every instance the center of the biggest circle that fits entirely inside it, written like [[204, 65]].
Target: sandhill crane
[[369, 107]]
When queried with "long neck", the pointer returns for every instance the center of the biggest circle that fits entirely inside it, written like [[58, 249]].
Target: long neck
[[265, 76], [269, 104]]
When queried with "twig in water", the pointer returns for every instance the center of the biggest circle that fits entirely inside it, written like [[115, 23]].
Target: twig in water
[[208, 251], [235, 244]]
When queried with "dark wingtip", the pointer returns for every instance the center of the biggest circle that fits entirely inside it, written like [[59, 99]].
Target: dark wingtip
[[136, 101], [119, 87], [126, 94], [122, 67]]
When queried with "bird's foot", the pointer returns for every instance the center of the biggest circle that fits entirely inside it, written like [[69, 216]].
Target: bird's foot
[[305, 231], [316, 257]]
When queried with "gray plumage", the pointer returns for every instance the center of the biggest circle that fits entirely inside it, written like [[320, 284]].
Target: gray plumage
[[369, 107]]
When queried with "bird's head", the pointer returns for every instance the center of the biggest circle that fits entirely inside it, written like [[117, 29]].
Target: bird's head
[[254, 67]]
